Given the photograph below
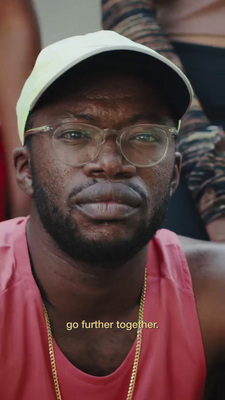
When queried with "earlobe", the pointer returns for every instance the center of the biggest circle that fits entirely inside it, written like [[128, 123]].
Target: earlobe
[[21, 159], [176, 173]]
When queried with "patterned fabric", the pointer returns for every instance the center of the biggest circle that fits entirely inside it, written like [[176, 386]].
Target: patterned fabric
[[203, 165]]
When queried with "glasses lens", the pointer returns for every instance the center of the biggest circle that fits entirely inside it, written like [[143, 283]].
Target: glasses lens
[[76, 144], [144, 145]]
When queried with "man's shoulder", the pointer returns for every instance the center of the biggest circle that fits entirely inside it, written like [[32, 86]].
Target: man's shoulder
[[12, 238], [203, 256], [8, 229]]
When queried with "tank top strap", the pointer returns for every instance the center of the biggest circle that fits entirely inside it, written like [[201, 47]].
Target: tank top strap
[[166, 259]]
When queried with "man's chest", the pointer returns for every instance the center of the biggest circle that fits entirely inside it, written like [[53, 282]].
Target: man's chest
[[96, 351]]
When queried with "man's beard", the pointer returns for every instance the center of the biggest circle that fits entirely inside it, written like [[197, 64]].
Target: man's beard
[[66, 234]]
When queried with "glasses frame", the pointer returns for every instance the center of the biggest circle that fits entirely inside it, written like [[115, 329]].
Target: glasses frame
[[47, 128]]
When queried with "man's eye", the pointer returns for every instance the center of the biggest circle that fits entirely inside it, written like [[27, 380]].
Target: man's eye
[[75, 135], [145, 137]]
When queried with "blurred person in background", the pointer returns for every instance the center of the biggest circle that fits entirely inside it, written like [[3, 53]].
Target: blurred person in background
[[19, 46], [194, 31]]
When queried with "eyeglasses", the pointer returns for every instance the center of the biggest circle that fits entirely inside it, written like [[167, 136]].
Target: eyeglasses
[[77, 144]]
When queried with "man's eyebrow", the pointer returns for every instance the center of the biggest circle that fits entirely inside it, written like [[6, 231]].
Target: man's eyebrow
[[74, 115], [152, 118]]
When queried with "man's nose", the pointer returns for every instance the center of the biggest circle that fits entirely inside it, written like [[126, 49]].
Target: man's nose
[[110, 162]]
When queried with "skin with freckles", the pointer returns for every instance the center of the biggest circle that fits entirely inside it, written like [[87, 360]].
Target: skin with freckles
[[88, 258]]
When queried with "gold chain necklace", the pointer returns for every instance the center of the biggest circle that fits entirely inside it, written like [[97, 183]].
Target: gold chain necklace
[[137, 350]]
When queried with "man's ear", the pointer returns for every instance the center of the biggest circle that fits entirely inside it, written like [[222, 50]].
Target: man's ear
[[176, 173], [21, 158]]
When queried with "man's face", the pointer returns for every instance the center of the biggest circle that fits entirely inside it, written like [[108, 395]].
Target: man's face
[[107, 210]]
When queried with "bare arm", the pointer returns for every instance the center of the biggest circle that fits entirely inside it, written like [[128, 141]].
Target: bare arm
[[207, 268], [198, 142], [19, 46]]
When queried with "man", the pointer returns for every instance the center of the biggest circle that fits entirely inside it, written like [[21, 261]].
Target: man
[[95, 302]]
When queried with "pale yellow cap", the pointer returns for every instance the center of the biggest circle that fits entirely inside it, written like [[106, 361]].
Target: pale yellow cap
[[59, 57]]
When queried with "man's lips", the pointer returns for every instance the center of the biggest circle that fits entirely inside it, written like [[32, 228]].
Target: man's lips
[[107, 201], [108, 192]]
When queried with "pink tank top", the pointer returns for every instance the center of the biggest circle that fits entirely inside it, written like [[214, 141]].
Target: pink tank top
[[172, 364], [200, 17]]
